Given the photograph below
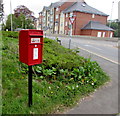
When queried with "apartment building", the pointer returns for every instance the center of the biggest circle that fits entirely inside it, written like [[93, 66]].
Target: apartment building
[[88, 20], [49, 17]]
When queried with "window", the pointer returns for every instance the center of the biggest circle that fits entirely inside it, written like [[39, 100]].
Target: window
[[56, 16], [99, 34], [83, 5], [103, 34], [51, 11], [71, 14], [57, 9], [62, 15], [66, 23], [111, 35], [51, 18], [61, 24], [93, 16], [66, 15], [51, 24]]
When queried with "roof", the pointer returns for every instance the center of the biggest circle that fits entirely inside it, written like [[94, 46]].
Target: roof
[[97, 26], [56, 4], [83, 7]]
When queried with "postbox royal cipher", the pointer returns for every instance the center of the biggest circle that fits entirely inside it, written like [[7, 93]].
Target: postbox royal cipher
[[31, 46]]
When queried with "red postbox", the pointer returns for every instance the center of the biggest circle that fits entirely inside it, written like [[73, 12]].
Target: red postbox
[[30, 46]]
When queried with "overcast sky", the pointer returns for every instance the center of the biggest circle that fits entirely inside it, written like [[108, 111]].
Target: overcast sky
[[37, 5]]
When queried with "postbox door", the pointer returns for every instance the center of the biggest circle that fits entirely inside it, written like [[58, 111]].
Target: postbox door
[[35, 54]]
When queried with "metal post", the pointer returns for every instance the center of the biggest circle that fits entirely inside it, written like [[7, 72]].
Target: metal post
[[70, 37], [11, 16], [30, 86], [111, 14]]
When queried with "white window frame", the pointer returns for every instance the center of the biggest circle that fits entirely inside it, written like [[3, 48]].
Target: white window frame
[[57, 9], [111, 35], [61, 15], [104, 34], [61, 24], [51, 18], [66, 23], [99, 34], [51, 11], [56, 17], [66, 15], [93, 16], [71, 14]]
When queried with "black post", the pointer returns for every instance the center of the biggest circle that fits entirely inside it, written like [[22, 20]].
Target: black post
[[30, 86]]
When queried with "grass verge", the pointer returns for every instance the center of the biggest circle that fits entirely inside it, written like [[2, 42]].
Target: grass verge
[[59, 82]]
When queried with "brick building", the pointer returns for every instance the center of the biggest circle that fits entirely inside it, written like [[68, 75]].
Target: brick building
[[88, 20]]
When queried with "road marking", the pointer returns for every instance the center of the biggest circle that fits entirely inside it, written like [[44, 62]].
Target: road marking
[[100, 56], [93, 47]]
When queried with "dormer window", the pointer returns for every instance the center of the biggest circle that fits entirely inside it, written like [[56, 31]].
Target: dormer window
[[83, 5]]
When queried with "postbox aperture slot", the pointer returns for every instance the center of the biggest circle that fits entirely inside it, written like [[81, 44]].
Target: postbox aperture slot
[[35, 40]]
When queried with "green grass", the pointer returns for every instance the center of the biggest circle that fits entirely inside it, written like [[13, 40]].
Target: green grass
[[59, 82]]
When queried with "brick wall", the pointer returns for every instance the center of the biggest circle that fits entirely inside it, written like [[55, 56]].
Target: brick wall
[[95, 33], [83, 18], [61, 8]]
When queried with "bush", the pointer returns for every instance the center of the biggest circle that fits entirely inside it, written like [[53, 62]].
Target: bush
[[11, 34]]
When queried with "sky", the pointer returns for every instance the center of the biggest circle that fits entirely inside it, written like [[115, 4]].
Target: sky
[[37, 5]]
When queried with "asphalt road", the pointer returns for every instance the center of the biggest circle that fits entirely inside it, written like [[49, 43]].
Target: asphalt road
[[104, 49], [104, 100]]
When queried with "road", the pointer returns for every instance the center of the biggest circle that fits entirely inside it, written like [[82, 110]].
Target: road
[[104, 100], [104, 49]]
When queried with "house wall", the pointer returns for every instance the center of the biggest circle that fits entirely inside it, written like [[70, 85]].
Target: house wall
[[61, 27], [83, 18], [60, 8], [51, 20], [95, 33], [40, 20], [66, 24]]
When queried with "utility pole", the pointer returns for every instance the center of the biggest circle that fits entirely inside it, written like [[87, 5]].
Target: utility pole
[[111, 14], [11, 16]]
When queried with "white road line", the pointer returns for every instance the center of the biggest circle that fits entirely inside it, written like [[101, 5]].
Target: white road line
[[100, 56], [93, 47]]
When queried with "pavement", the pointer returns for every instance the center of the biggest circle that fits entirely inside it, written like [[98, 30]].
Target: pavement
[[104, 100]]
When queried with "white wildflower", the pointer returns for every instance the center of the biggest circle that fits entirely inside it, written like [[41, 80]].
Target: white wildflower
[[77, 86], [49, 87]]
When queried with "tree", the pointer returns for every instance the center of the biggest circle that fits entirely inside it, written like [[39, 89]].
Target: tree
[[22, 18], [18, 22], [114, 25], [1, 10], [24, 10]]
